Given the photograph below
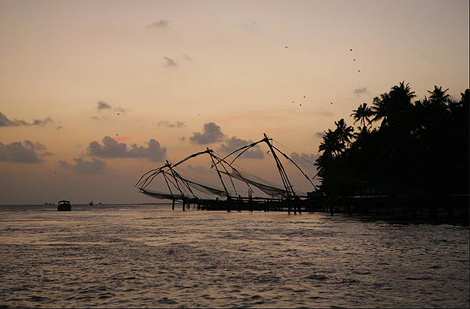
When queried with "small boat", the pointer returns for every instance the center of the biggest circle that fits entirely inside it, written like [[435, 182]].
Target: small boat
[[91, 203], [64, 206]]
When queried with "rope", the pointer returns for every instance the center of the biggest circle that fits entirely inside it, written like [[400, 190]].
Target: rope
[[291, 151]]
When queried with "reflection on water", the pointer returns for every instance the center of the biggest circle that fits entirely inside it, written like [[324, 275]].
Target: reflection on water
[[143, 256]]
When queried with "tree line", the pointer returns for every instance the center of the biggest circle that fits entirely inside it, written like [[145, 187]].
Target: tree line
[[400, 146]]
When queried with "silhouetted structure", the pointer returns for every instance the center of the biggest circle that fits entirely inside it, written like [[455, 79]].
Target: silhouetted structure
[[188, 190]]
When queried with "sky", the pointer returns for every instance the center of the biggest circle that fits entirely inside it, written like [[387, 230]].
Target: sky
[[94, 93]]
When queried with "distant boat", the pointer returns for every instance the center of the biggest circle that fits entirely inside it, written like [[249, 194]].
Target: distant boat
[[64, 206], [91, 203]]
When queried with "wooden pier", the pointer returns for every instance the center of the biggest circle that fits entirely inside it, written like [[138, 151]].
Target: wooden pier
[[298, 205], [443, 209]]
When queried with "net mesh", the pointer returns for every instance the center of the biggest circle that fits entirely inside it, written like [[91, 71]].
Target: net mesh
[[267, 187]]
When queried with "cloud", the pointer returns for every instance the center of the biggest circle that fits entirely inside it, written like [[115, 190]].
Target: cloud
[[5, 122], [42, 122], [112, 149], [170, 62], [249, 24], [176, 124], [235, 143], [161, 24], [182, 138], [360, 90], [304, 159], [84, 167], [102, 105], [119, 109], [30, 152], [211, 134]]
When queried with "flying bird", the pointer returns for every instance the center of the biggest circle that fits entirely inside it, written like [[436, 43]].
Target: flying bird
[[350, 49]]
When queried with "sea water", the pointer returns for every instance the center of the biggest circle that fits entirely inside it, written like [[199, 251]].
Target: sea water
[[151, 256]]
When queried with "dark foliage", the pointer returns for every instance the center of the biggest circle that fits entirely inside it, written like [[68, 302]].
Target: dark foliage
[[416, 147]]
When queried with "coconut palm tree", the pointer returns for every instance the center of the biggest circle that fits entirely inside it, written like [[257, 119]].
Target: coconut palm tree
[[393, 107], [331, 145], [363, 114], [380, 108], [344, 133], [439, 96]]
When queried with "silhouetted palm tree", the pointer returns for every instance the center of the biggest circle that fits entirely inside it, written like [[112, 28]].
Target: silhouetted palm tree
[[392, 107], [331, 145], [344, 133], [363, 114], [381, 107], [439, 96]]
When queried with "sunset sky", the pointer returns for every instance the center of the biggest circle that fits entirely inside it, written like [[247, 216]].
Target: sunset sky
[[94, 93]]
